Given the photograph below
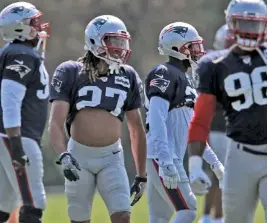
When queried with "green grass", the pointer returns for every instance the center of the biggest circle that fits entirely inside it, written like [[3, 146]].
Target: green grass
[[56, 211]]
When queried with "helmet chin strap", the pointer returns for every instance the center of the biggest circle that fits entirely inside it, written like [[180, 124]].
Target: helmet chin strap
[[42, 37], [114, 68]]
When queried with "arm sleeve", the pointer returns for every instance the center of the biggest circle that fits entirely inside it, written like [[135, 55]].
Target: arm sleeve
[[60, 88], [209, 156], [12, 94], [158, 113], [134, 99], [204, 111], [20, 68]]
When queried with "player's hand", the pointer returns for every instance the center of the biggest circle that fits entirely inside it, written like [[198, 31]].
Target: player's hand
[[69, 166], [169, 174], [138, 188], [19, 158], [199, 181], [218, 169]]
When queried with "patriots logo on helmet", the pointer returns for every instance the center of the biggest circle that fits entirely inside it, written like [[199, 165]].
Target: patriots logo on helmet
[[180, 30], [20, 68], [160, 83], [99, 23], [17, 10]]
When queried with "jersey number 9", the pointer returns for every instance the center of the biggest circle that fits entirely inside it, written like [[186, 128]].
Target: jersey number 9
[[252, 86]]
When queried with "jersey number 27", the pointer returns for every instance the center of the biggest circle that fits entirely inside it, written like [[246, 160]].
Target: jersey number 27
[[97, 95], [252, 86]]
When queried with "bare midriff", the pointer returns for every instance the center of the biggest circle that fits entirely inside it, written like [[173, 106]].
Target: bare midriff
[[95, 127]]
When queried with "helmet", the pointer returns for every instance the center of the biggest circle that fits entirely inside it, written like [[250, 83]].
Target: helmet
[[22, 21], [107, 38], [246, 20], [182, 41], [222, 39]]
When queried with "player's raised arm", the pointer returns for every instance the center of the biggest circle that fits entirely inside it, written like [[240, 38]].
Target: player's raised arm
[[60, 99], [18, 71]]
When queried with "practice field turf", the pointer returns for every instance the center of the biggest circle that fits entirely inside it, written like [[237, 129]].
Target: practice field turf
[[56, 211]]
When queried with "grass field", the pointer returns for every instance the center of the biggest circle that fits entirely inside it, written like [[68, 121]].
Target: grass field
[[56, 211]]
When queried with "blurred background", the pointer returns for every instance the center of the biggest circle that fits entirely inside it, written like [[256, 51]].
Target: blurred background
[[144, 20]]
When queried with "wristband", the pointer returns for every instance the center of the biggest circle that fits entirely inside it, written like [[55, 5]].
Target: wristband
[[16, 144], [141, 179]]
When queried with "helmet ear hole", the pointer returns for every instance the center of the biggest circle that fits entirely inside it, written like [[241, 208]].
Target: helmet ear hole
[[175, 48], [92, 41]]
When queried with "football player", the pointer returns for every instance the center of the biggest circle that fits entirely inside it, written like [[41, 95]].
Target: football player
[[24, 103], [169, 101], [218, 142], [238, 80], [93, 95]]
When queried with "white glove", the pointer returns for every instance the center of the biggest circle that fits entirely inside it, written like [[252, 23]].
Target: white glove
[[170, 175], [218, 169], [199, 180]]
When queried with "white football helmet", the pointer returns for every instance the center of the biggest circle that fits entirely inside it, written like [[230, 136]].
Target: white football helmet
[[182, 41], [22, 21], [222, 38], [107, 38], [246, 20]]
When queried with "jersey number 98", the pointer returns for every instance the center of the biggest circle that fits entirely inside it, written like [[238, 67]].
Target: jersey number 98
[[252, 86]]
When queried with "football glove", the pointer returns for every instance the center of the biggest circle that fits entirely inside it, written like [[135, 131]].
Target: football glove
[[218, 169], [199, 181], [138, 188], [69, 166], [169, 174]]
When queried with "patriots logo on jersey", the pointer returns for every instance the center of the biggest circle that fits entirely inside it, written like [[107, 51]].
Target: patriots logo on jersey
[[160, 83], [180, 30], [99, 23], [56, 83], [20, 68]]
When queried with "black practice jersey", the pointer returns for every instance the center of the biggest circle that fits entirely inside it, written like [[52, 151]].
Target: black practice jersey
[[170, 83], [115, 93], [240, 85], [218, 122], [22, 64]]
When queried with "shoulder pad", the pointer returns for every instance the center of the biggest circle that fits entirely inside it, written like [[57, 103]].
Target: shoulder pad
[[69, 65], [214, 56]]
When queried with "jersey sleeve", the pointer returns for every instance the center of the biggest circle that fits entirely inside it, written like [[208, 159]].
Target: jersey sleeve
[[61, 84], [20, 68], [206, 77], [134, 98], [159, 83]]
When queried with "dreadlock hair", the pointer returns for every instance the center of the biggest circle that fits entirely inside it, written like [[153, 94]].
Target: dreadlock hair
[[89, 68]]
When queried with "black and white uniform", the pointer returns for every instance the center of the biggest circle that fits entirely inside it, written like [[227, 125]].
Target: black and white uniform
[[102, 168], [24, 103], [169, 102], [239, 84]]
